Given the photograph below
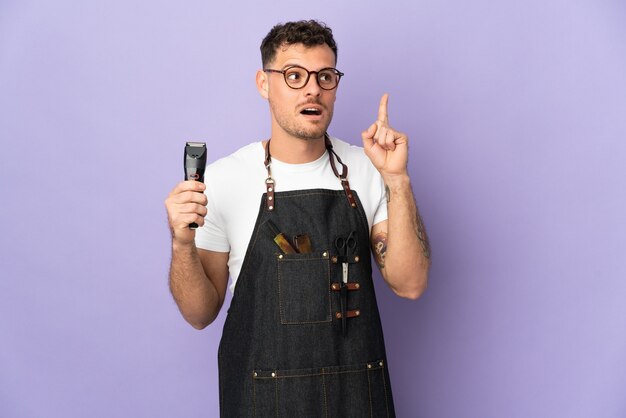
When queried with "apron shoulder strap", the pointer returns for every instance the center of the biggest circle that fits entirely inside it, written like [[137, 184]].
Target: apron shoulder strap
[[332, 155], [343, 177]]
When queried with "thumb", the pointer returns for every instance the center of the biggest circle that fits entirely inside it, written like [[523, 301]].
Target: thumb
[[368, 136]]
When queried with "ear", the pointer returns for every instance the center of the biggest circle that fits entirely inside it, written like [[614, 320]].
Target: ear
[[262, 83]]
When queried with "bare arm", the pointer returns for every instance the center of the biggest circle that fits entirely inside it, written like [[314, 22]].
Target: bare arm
[[400, 244], [198, 278]]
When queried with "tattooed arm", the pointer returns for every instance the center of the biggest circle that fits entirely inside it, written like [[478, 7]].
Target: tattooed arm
[[399, 243]]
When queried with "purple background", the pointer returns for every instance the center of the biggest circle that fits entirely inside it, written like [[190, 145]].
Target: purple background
[[517, 115]]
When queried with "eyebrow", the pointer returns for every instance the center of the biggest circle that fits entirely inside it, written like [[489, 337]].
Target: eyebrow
[[302, 66], [293, 65]]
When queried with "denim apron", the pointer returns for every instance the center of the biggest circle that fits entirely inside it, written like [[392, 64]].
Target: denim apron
[[284, 351]]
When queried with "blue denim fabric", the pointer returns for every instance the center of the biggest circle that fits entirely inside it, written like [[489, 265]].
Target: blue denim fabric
[[282, 351]]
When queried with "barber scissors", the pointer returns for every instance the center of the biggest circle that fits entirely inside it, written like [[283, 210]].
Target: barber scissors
[[345, 247]]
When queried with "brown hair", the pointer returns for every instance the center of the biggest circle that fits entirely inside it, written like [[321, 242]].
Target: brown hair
[[306, 32]]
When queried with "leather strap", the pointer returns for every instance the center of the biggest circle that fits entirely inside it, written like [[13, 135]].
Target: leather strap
[[336, 259], [349, 285], [343, 177], [269, 181], [349, 314]]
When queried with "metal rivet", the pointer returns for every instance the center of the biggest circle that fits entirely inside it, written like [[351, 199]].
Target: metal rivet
[[324, 254], [273, 374], [338, 315], [350, 195], [357, 286], [255, 375], [354, 205], [270, 198], [357, 313], [369, 366], [271, 207], [380, 364], [271, 189], [334, 259], [280, 256], [356, 259]]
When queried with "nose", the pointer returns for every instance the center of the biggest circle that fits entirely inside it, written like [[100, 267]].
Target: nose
[[312, 87]]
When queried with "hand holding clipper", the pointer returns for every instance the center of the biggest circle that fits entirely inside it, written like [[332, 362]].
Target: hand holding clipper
[[195, 163]]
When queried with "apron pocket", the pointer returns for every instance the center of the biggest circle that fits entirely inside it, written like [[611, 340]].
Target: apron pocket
[[354, 391], [289, 393], [304, 288]]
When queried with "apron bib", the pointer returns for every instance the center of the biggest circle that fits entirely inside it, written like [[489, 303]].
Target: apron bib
[[284, 351]]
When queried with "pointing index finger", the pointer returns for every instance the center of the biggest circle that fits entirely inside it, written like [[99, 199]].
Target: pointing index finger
[[382, 108]]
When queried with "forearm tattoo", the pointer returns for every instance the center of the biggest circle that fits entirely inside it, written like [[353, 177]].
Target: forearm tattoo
[[380, 249], [380, 241], [421, 235]]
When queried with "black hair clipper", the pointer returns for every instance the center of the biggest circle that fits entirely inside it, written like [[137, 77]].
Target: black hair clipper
[[195, 163]]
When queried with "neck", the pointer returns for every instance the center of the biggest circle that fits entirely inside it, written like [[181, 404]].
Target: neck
[[296, 151]]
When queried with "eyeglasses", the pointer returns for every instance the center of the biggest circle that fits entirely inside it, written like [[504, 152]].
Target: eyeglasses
[[297, 77]]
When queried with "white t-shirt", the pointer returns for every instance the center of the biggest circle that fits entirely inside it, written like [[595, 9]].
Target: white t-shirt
[[236, 183]]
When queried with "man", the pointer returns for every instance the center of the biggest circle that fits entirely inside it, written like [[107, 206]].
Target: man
[[303, 335]]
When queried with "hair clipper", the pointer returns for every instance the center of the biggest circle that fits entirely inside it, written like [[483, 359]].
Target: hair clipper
[[195, 163]]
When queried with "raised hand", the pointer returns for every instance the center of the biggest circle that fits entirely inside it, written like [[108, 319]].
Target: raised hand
[[387, 148]]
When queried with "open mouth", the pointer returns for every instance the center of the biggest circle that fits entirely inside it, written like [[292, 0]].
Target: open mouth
[[311, 111]]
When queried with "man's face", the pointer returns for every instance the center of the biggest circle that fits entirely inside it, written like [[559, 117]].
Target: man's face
[[301, 113]]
